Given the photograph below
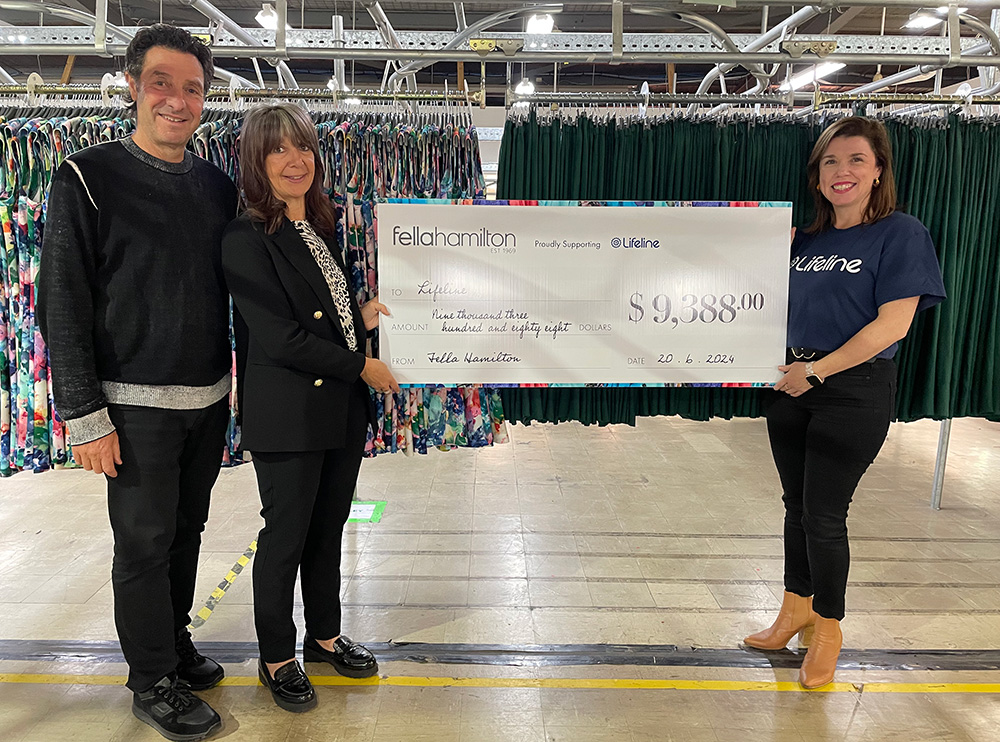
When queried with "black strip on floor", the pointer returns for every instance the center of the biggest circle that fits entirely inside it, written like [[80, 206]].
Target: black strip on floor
[[643, 655]]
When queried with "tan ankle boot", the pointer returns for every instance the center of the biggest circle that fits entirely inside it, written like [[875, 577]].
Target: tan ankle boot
[[795, 617], [821, 660]]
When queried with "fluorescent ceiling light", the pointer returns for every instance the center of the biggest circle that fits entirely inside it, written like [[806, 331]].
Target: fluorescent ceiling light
[[525, 87], [806, 78], [923, 19], [540, 24], [267, 17]]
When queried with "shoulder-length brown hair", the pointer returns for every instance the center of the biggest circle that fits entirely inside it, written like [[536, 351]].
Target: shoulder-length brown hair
[[264, 128], [882, 201]]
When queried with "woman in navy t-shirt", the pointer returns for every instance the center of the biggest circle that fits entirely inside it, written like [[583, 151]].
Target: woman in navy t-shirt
[[859, 274]]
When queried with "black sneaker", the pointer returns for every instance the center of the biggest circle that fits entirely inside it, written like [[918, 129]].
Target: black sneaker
[[194, 670], [175, 712]]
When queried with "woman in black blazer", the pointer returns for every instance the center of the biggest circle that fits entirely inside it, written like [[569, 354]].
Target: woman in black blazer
[[303, 394]]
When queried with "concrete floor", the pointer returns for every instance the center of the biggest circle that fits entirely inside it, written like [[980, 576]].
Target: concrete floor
[[663, 534]]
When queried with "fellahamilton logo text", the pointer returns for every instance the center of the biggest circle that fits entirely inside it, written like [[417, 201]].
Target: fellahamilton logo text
[[635, 243], [418, 236], [821, 263]]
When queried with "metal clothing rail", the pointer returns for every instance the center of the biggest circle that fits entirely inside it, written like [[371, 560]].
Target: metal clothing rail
[[599, 99], [784, 99], [825, 99], [34, 88]]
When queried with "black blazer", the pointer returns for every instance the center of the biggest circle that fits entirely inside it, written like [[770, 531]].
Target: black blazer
[[294, 370]]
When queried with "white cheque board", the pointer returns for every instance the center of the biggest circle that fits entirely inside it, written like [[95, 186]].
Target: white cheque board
[[513, 294]]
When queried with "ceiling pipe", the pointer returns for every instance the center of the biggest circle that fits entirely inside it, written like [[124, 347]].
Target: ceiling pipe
[[88, 19], [825, 5], [914, 72], [388, 34], [982, 29], [985, 87], [476, 28], [789, 24], [548, 57], [779, 30], [992, 73], [339, 69], [713, 28], [992, 44], [382, 24], [214, 14]]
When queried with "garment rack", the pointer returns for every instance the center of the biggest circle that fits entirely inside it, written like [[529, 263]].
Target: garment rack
[[645, 99], [787, 99], [35, 87], [824, 99]]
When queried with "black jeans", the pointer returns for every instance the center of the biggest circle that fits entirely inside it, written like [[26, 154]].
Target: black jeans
[[158, 505], [306, 500], [822, 443]]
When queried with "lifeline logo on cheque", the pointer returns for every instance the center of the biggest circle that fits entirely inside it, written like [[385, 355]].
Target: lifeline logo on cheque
[[638, 243]]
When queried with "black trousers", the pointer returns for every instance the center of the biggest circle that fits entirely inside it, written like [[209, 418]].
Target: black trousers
[[306, 500], [822, 443], [158, 505]]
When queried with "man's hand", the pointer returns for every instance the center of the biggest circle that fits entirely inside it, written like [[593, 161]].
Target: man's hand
[[99, 456]]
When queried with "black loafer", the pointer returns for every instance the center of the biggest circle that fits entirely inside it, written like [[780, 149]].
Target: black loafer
[[194, 670], [348, 658], [290, 687]]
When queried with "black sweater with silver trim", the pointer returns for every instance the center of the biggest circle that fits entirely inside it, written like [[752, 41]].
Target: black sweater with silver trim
[[132, 301]]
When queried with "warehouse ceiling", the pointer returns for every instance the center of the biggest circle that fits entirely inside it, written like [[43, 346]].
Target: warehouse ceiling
[[428, 15]]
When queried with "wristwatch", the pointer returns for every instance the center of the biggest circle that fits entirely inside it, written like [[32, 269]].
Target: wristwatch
[[811, 376]]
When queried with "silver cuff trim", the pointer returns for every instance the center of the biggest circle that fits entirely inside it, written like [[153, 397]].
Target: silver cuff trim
[[167, 397], [90, 427]]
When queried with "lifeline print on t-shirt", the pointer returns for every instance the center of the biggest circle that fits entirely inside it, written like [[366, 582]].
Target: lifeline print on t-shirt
[[819, 263]]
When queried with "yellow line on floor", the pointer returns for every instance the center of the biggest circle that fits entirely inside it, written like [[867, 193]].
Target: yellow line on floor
[[564, 683], [934, 688]]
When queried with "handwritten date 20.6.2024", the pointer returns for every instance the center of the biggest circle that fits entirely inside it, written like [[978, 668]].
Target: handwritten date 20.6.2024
[[690, 359]]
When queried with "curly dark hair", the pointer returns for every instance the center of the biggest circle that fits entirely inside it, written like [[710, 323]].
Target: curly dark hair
[[171, 37]]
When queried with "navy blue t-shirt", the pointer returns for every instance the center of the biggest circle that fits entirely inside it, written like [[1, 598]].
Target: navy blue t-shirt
[[839, 278]]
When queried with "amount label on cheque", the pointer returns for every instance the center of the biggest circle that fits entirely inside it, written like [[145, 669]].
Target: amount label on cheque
[[487, 294]]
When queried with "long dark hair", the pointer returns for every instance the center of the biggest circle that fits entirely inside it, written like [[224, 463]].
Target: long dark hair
[[264, 128], [882, 201]]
